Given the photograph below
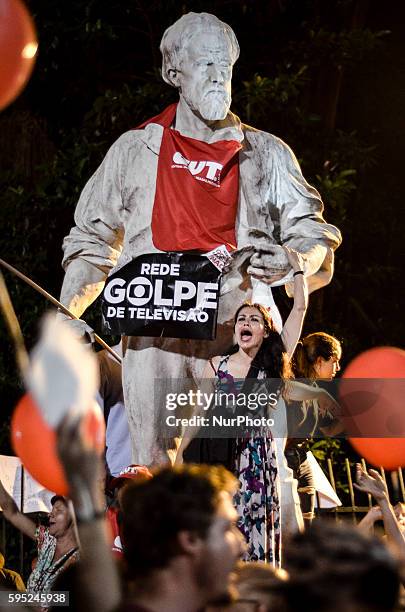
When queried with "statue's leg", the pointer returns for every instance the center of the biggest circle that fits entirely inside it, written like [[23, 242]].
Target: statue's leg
[[152, 368], [146, 366]]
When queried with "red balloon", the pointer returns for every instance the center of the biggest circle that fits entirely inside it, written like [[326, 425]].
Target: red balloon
[[379, 362], [388, 453], [18, 47], [35, 443], [376, 407]]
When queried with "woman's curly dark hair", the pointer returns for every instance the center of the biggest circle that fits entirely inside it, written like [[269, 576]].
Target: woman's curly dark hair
[[271, 356]]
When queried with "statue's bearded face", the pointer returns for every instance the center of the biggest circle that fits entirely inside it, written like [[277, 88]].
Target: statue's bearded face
[[205, 74]]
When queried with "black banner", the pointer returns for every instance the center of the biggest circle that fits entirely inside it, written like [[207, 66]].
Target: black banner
[[169, 295]]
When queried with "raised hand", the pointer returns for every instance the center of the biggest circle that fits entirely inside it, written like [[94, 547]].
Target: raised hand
[[371, 482], [80, 328], [295, 259]]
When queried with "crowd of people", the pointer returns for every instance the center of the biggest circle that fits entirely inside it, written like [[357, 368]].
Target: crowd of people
[[209, 536], [182, 546]]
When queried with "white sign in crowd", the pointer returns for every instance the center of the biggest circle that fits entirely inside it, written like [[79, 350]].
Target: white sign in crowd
[[22, 487]]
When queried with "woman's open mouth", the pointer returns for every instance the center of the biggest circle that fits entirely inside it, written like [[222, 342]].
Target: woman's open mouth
[[245, 335]]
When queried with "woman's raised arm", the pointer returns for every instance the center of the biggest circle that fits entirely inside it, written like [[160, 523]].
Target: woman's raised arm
[[16, 518], [293, 326]]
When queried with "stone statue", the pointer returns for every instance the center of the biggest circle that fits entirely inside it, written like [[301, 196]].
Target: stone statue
[[274, 206]]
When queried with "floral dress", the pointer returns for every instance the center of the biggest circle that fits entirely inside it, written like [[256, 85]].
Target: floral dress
[[46, 571], [257, 501]]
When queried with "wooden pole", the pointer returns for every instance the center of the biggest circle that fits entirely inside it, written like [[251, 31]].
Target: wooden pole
[[56, 303]]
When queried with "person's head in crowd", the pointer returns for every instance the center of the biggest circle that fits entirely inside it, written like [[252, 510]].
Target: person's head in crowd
[[335, 568], [399, 510], [179, 528], [113, 514], [317, 356], [127, 475], [60, 518], [9, 579], [132, 472], [256, 335]]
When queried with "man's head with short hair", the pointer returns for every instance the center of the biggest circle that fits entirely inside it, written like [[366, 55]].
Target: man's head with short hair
[[198, 53], [183, 513]]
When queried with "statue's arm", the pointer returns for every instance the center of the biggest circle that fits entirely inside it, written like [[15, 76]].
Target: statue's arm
[[82, 284], [295, 213], [95, 242], [302, 226], [296, 209]]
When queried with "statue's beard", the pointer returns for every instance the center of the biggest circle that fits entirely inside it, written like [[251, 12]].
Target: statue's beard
[[214, 105]]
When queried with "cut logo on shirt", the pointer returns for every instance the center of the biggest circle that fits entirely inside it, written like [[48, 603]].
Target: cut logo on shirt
[[207, 171], [117, 544]]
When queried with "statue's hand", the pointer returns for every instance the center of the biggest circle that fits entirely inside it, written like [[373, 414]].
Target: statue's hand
[[79, 327], [269, 266]]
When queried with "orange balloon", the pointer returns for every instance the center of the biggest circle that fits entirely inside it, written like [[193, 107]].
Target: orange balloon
[[18, 48], [35, 443], [378, 362], [372, 395], [388, 453]]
